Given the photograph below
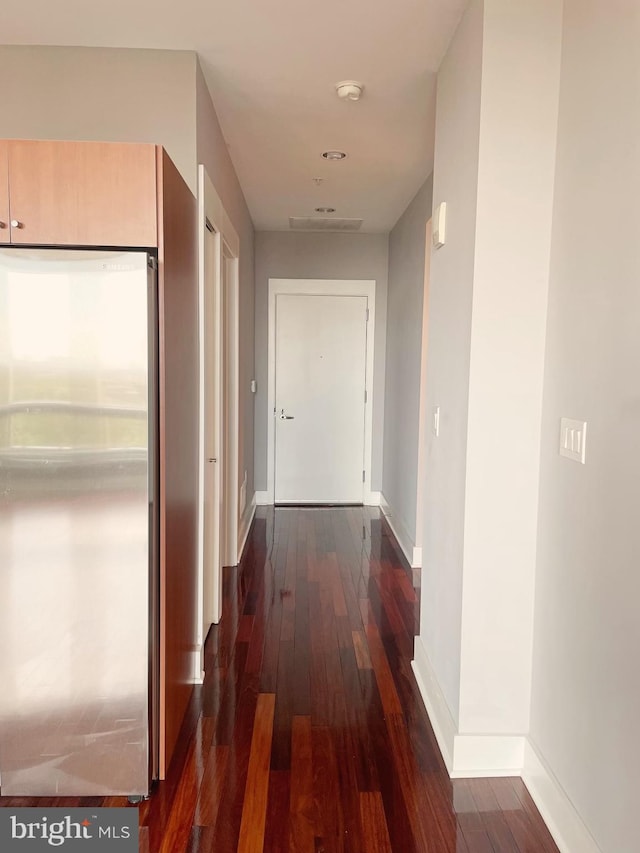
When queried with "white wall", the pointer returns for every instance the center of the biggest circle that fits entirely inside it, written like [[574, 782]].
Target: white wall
[[538, 161], [403, 362], [102, 94], [517, 146], [586, 684], [329, 256], [495, 151]]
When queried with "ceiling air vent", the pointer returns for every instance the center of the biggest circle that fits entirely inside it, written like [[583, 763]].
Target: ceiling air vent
[[319, 223]]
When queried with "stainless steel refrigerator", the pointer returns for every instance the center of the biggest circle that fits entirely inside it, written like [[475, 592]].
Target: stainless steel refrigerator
[[78, 522]]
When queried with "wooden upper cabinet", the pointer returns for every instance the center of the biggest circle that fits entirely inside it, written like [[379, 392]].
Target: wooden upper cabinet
[[82, 193], [5, 233]]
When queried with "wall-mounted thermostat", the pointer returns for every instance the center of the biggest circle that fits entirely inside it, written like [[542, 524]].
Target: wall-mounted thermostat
[[439, 222]]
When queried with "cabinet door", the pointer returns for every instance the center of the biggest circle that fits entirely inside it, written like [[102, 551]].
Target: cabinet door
[[5, 234], [178, 292], [83, 193]]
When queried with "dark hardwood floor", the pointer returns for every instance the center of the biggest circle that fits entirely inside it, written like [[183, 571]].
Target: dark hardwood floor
[[308, 733]]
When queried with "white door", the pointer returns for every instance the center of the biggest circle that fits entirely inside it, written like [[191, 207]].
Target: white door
[[320, 380]]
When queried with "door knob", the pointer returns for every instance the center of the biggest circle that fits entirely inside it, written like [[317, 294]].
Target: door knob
[[15, 223], [284, 417]]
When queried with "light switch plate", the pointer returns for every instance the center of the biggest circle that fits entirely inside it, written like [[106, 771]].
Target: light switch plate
[[573, 439]]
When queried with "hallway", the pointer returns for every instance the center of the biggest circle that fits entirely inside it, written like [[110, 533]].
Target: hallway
[[316, 648], [308, 733]]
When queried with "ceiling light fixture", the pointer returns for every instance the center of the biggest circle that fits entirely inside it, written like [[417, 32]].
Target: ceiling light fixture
[[325, 209], [349, 90], [334, 155]]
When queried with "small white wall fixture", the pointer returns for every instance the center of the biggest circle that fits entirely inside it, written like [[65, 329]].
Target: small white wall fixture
[[218, 245], [327, 287]]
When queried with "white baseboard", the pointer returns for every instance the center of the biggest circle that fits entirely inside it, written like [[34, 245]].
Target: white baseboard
[[413, 554], [442, 722], [558, 812], [369, 499], [197, 664], [466, 756], [482, 756], [245, 526], [478, 756]]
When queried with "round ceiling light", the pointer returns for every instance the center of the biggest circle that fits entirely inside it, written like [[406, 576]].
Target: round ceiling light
[[334, 155], [349, 90], [325, 209]]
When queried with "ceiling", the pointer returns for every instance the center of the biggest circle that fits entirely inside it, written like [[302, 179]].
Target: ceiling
[[271, 66]]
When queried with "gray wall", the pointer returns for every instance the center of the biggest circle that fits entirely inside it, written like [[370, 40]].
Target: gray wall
[[102, 94], [316, 255], [404, 349], [586, 684], [212, 152], [450, 299]]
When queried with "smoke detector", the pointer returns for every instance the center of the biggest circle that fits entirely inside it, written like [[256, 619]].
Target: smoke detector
[[349, 90]]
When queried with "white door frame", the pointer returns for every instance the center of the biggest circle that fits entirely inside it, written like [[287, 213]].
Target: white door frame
[[211, 211], [323, 287], [231, 365]]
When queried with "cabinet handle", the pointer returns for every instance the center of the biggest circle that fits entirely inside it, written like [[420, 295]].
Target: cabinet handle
[[15, 223], [3, 224]]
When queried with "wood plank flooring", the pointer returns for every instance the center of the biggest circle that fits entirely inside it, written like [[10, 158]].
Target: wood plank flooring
[[308, 733]]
